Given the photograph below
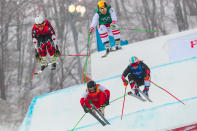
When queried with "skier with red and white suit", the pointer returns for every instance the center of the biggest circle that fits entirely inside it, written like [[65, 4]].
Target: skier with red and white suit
[[105, 16], [44, 38], [97, 94], [138, 75]]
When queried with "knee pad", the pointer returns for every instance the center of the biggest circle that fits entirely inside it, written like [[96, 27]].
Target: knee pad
[[132, 84], [147, 83]]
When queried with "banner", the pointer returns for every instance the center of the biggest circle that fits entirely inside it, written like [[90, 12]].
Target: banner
[[101, 46], [181, 47]]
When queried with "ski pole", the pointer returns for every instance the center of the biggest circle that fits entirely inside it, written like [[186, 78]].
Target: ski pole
[[33, 72], [75, 55], [167, 92], [87, 58], [123, 101], [78, 121], [122, 28], [117, 98]]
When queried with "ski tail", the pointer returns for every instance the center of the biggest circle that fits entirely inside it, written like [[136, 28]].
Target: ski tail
[[139, 98], [145, 96], [105, 55], [97, 118], [100, 114]]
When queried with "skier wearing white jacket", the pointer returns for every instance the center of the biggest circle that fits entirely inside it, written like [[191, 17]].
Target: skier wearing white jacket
[[105, 16]]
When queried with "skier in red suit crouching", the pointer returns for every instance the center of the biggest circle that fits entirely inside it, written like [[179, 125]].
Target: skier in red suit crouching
[[97, 95]]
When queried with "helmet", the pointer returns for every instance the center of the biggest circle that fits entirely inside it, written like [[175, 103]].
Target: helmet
[[134, 60], [39, 20], [102, 4], [91, 86]]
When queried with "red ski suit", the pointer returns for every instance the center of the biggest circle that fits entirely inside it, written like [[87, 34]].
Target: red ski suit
[[99, 98], [44, 39]]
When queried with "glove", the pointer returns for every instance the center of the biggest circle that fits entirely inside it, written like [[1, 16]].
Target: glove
[[57, 53], [86, 109], [106, 102], [91, 30], [102, 106], [113, 26], [146, 78], [37, 56], [125, 82]]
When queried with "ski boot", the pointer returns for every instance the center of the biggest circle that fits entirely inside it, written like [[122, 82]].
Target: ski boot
[[117, 43], [137, 93], [43, 67], [129, 93], [118, 47], [53, 66], [111, 49], [44, 63], [146, 89]]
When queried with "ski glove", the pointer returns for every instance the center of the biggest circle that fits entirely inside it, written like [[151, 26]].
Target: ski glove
[[86, 109], [37, 56], [147, 78], [91, 30], [57, 53], [113, 26], [107, 102], [125, 82]]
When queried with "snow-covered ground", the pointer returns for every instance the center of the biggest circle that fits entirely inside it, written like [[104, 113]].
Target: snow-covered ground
[[60, 110]]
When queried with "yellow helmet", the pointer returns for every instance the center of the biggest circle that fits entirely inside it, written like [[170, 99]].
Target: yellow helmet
[[102, 4]]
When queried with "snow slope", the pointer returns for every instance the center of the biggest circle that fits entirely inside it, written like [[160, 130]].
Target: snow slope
[[60, 110]]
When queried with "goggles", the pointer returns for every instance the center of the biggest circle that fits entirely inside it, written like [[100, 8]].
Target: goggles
[[102, 9], [93, 89], [40, 25], [134, 64]]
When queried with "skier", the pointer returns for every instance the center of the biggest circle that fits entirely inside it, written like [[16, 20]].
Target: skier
[[44, 38], [97, 94], [138, 75], [105, 16]]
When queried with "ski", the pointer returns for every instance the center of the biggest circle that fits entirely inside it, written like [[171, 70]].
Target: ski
[[106, 53], [145, 96], [139, 98], [40, 71], [116, 49], [111, 50], [96, 117], [101, 115]]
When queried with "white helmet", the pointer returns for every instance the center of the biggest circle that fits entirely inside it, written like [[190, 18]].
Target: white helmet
[[39, 20], [134, 60]]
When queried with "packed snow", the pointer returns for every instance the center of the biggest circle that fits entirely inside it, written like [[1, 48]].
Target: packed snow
[[60, 110]]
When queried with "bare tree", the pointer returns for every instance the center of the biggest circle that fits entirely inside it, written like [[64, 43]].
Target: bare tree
[[180, 16]]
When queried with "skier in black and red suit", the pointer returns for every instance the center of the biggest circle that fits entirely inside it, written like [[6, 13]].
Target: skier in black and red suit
[[44, 40], [138, 74]]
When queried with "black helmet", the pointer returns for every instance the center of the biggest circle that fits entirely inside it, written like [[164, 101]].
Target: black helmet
[[91, 85]]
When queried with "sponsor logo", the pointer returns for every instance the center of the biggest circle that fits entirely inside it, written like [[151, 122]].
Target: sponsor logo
[[193, 43], [105, 19]]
